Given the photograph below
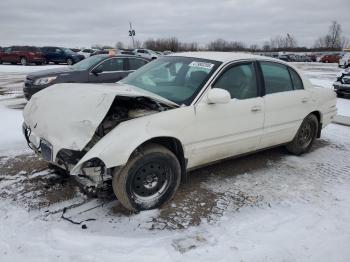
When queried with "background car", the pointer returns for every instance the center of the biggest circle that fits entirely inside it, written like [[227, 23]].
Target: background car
[[22, 54], [61, 55], [301, 58], [286, 58], [146, 53], [95, 69], [330, 58], [344, 61], [342, 84], [86, 52], [100, 52]]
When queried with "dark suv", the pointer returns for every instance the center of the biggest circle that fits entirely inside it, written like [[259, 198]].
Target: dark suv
[[94, 69], [61, 55], [22, 54]]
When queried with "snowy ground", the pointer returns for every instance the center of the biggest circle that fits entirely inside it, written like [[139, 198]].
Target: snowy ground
[[269, 206]]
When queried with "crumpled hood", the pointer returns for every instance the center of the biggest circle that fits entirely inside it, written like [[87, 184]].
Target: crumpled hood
[[67, 115]]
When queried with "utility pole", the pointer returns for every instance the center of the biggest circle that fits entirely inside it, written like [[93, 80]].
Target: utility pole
[[132, 34]]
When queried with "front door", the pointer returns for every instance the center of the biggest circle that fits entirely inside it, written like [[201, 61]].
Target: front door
[[109, 71], [224, 130]]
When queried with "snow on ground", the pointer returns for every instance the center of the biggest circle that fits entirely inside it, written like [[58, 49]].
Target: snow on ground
[[269, 206], [16, 69], [302, 215], [11, 138]]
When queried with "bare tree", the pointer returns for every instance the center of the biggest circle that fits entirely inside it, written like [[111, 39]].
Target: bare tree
[[119, 45], [335, 35], [333, 40]]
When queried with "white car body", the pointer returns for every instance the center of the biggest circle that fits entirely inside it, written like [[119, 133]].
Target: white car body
[[67, 116], [344, 61], [146, 53], [87, 52]]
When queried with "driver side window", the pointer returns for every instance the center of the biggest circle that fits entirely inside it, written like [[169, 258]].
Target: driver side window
[[114, 64], [239, 81]]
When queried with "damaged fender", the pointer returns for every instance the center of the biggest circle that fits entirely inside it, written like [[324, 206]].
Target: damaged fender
[[115, 148]]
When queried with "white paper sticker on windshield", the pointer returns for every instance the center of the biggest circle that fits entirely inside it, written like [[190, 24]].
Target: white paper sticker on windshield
[[201, 65]]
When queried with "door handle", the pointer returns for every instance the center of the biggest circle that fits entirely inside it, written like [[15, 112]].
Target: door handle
[[255, 109], [304, 100]]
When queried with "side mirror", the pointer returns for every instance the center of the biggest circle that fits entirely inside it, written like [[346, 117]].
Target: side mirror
[[97, 70], [218, 96]]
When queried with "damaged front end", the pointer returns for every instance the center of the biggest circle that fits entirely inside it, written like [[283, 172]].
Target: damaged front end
[[50, 146]]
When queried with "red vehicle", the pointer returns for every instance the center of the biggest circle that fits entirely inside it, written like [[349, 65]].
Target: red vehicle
[[22, 54], [331, 58]]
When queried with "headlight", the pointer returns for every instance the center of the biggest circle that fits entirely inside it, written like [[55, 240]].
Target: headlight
[[44, 80]]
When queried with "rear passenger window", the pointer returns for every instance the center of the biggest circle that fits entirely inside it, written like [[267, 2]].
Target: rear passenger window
[[135, 64], [297, 83], [239, 81], [276, 77]]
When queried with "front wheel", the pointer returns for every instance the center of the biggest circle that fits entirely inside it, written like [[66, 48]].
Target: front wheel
[[69, 61], [305, 136], [149, 179]]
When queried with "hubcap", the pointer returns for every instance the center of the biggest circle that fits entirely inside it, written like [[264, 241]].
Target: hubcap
[[23, 61], [151, 180]]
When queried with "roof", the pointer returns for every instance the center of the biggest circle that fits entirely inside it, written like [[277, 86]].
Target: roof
[[222, 56]]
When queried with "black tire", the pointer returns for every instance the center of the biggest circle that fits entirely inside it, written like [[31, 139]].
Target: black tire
[[149, 179], [305, 136], [70, 61], [23, 61], [56, 63]]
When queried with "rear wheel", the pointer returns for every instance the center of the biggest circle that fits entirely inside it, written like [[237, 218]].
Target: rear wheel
[[149, 179], [305, 136], [23, 61]]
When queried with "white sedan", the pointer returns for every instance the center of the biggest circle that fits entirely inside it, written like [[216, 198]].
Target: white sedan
[[175, 114]]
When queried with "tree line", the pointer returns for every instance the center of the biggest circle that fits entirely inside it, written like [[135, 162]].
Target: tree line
[[333, 40]]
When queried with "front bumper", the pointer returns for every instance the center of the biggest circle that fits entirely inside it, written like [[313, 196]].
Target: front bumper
[[29, 89], [65, 159]]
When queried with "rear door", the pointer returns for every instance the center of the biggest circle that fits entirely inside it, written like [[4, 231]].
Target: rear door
[[111, 70], [286, 103], [135, 63]]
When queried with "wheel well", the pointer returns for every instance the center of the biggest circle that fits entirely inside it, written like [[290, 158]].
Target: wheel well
[[318, 115], [175, 146]]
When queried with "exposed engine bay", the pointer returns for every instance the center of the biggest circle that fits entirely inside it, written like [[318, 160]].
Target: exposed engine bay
[[122, 109]]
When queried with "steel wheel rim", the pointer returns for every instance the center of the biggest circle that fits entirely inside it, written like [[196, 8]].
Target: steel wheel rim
[[23, 61], [305, 135], [151, 181]]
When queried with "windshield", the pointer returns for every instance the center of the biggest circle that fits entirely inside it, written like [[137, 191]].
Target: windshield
[[178, 79], [88, 62]]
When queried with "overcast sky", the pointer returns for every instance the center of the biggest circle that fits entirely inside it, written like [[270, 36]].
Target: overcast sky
[[81, 23]]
